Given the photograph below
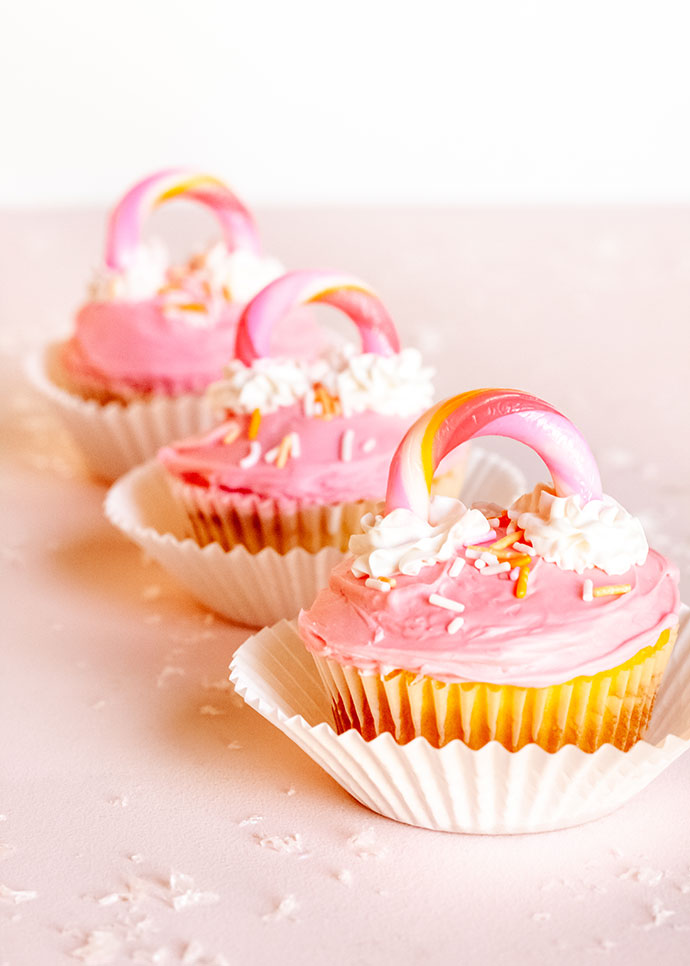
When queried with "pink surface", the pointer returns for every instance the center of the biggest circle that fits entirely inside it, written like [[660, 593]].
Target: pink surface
[[107, 664]]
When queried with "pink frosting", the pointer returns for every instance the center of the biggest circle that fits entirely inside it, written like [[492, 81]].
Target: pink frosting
[[545, 638], [317, 475], [135, 347]]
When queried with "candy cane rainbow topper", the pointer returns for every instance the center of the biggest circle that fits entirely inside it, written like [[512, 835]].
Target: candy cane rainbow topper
[[127, 219], [344, 292], [490, 412]]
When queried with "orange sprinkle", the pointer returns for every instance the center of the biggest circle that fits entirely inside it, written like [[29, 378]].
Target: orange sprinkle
[[521, 582], [507, 541], [232, 434], [523, 560], [611, 589], [254, 424], [191, 307], [327, 401], [284, 451], [227, 294]]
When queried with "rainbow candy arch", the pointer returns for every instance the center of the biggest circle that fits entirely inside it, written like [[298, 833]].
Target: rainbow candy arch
[[344, 292], [490, 412], [127, 219]]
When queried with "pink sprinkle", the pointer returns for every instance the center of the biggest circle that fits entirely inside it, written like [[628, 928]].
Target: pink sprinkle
[[523, 548]]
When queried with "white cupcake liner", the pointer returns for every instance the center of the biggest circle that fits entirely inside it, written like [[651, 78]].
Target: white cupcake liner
[[455, 789], [116, 437], [255, 589]]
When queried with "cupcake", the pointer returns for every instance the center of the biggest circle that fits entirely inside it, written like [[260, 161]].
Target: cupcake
[[547, 622], [153, 335], [303, 449]]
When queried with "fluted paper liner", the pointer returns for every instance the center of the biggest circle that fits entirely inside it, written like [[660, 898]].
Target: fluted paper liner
[[456, 789], [260, 588], [115, 437]]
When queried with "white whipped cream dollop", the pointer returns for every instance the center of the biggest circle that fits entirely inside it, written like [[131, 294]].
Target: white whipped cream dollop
[[576, 535], [143, 276], [397, 385], [215, 274], [402, 542]]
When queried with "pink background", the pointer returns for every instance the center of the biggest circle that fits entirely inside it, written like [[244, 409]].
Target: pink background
[[116, 738]]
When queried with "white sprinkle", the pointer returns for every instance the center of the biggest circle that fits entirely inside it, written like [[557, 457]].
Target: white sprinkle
[[272, 455], [479, 564], [498, 568], [136, 858], [346, 445], [489, 558], [659, 914], [308, 404], [456, 567], [377, 584], [369, 445], [439, 601], [295, 446], [253, 456], [110, 899], [514, 573], [524, 548], [587, 588], [455, 625], [493, 521], [472, 554]]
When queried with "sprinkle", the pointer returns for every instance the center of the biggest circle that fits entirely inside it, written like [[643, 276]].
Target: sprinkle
[[489, 558], [191, 307], [227, 294], [346, 443], [308, 404], [272, 455], [521, 585], [471, 553], [587, 588], [231, 434], [479, 564], [456, 567], [499, 568], [369, 445], [284, 451], [514, 573], [611, 589], [524, 548], [455, 625], [377, 584], [508, 540], [254, 424], [438, 601], [253, 456], [295, 446], [515, 560], [493, 521]]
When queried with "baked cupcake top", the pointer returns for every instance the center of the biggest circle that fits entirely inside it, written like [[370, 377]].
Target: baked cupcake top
[[151, 326], [321, 430], [560, 584]]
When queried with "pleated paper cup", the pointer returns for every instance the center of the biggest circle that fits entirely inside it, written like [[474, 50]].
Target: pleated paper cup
[[613, 706], [116, 436], [455, 788], [255, 588]]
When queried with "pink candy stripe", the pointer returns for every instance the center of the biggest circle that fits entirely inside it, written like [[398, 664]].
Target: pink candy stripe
[[344, 292], [127, 218]]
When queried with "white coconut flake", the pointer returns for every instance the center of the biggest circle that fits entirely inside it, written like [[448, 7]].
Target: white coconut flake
[[659, 915], [169, 671], [285, 909], [346, 877], [186, 894], [290, 844], [16, 896], [211, 710], [253, 456], [252, 820], [100, 949], [363, 844]]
